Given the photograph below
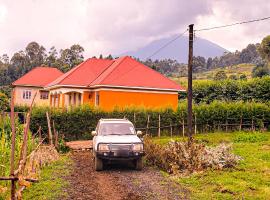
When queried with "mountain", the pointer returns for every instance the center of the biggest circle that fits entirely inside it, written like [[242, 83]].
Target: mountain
[[178, 49]]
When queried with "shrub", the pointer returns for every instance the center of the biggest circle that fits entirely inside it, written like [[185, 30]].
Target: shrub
[[78, 123], [176, 157]]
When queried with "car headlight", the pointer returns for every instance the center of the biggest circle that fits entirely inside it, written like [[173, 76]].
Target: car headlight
[[138, 147], [103, 147]]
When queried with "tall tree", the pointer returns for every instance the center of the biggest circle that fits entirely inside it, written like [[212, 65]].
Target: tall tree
[[264, 48]]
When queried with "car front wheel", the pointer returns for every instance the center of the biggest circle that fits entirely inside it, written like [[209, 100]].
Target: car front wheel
[[98, 164], [139, 164]]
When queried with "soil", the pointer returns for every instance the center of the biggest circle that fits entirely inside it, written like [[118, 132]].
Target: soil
[[119, 181]]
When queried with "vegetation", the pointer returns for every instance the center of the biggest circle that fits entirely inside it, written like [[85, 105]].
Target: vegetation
[[51, 182], [250, 178], [77, 123], [4, 103], [5, 148], [257, 89]]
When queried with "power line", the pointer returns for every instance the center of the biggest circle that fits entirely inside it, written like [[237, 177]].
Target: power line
[[233, 24], [148, 57], [167, 44]]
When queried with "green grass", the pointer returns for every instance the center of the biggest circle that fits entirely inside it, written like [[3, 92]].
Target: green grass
[[250, 179], [51, 183]]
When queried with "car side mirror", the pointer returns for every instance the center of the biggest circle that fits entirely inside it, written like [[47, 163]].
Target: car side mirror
[[139, 133], [94, 133]]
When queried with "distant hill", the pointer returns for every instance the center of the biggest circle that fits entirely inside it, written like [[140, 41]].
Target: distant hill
[[178, 50]]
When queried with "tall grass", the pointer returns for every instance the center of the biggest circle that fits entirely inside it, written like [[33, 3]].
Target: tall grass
[[5, 146]]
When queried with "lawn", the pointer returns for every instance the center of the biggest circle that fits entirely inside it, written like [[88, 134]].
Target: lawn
[[51, 182], [249, 180]]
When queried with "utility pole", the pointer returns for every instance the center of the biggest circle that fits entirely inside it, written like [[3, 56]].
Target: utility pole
[[189, 95]]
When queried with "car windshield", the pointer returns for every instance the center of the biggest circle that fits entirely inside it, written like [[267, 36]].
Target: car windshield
[[116, 129]]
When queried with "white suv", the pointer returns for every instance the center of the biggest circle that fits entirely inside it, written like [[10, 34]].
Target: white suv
[[116, 139]]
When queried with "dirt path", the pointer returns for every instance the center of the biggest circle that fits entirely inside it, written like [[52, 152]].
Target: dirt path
[[119, 182]]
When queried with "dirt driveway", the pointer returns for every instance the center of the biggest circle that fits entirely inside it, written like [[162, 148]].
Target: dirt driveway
[[119, 182]]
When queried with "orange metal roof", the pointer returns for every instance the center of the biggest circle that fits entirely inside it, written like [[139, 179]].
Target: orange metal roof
[[39, 77], [123, 72]]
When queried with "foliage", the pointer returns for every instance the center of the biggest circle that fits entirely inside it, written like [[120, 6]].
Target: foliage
[[257, 89], [51, 182], [5, 147], [249, 180], [264, 48], [4, 103], [220, 75], [260, 71], [176, 157], [36, 55], [78, 122]]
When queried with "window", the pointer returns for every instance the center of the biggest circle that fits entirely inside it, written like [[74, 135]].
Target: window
[[27, 94], [79, 98], [44, 94], [97, 98]]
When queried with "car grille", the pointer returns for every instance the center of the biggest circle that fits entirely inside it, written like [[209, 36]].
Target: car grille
[[120, 147]]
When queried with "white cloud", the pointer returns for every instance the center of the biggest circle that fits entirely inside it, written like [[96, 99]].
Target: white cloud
[[116, 26]]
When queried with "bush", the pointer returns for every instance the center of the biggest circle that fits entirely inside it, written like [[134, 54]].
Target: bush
[[78, 123], [176, 157], [257, 89]]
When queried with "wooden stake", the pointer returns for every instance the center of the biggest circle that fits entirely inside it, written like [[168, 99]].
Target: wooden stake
[[13, 138], [195, 122], [147, 125], [39, 134], [56, 140], [49, 129], [171, 129], [159, 125], [183, 125]]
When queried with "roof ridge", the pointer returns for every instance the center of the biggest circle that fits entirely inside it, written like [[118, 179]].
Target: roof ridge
[[122, 59], [71, 72], [101, 73]]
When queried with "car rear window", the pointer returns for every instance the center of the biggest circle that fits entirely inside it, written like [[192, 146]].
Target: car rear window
[[116, 129]]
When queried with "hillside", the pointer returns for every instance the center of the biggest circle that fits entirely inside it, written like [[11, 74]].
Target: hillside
[[177, 50], [209, 75]]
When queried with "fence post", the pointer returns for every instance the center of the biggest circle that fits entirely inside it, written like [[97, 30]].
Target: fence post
[[183, 125], [226, 128], [195, 123], [134, 119], [49, 129], [147, 125], [158, 125], [12, 155], [252, 123], [171, 129], [39, 134], [241, 121]]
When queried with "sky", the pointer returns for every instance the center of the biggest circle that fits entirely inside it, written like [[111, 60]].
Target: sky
[[117, 26]]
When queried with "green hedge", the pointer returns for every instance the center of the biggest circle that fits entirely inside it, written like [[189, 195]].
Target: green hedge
[[79, 122], [257, 89]]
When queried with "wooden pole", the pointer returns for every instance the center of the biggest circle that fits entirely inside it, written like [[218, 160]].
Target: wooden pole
[[13, 138], [56, 140], [39, 134], [147, 125], [171, 129], [49, 128], [183, 126], [195, 122], [23, 153], [189, 96], [159, 125]]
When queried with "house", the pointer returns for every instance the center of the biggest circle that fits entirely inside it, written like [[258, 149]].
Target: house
[[34, 82], [107, 84]]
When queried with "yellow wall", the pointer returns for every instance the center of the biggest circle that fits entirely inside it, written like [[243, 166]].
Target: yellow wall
[[121, 99], [19, 101]]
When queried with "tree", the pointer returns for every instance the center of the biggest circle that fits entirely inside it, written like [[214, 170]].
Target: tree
[[199, 64], [109, 57], [51, 59], [260, 71], [71, 57], [249, 54], [220, 75], [209, 63], [4, 103], [35, 54], [233, 77], [264, 48], [243, 77], [100, 56]]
